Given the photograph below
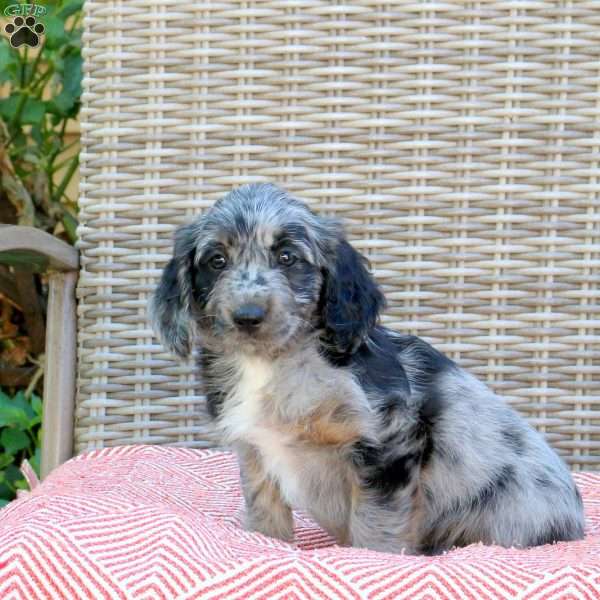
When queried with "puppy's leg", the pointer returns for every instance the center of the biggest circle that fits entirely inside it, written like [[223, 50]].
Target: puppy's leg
[[387, 504], [266, 511], [386, 524]]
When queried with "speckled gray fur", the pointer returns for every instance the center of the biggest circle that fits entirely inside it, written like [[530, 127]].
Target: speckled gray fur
[[384, 440]]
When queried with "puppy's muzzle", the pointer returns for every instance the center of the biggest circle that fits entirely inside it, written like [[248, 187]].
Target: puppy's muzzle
[[248, 317]]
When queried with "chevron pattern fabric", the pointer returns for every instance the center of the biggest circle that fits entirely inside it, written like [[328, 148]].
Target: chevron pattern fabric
[[160, 522]]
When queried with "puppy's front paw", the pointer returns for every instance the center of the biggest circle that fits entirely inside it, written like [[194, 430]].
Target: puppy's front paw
[[283, 530]]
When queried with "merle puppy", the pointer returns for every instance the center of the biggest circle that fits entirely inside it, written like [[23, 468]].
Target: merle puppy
[[384, 440]]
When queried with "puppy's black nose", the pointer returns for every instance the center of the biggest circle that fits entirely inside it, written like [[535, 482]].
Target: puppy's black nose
[[249, 316]]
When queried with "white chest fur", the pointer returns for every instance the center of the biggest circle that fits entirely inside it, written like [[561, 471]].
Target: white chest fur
[[244, 409], [246, 418], [285, 409]]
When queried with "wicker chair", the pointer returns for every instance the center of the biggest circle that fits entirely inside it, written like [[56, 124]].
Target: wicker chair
[[459, 141]]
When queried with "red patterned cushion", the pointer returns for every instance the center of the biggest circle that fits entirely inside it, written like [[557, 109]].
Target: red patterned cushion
[[158, 522]]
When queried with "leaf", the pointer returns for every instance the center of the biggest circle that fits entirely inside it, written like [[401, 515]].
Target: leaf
[[55, 32], [22, 402], [12, 414], [5, 460], [22, 258], [36, 404], [32, 112], [35, 460], [70, 224], [5, 56], [7, 62], [75, 37], [37, 135], [61, 104], [72, 74], [70, 8], [13, 474], [8, 106], [19, 143], [22, 484], [14, 440], [4, 502]]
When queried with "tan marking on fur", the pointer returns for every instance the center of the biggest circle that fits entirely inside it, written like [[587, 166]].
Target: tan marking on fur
[[325, 427]]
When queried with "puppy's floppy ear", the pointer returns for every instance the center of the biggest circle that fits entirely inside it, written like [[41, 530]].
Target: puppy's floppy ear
[[350, 299], [171, 304]]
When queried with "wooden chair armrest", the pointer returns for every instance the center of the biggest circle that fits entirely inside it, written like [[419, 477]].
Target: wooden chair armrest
[[29, 246]]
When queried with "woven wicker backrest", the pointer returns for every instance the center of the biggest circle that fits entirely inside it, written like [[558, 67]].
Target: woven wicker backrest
[[459, 140]]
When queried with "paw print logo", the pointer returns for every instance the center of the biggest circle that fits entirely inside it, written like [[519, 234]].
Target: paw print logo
[[24, 31]]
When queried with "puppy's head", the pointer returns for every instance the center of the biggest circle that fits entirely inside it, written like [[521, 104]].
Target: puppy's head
[[259, 271]]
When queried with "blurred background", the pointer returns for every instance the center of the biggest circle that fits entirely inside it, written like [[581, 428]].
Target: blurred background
[[40, 90]]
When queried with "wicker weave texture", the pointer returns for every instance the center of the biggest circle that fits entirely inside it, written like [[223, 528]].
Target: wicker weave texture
[[460, 141]]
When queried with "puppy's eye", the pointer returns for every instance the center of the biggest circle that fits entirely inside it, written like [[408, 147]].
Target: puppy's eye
[[286, 258], [217, 262]]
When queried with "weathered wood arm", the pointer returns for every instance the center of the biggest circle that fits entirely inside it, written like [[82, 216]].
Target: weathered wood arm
[[26, 246]]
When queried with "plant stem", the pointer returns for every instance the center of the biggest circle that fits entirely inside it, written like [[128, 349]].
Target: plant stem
[[65, 180], [76, 21], [24, 67], [38, 85], [60, 165], [20, 106], [51, 168], [36, 61], [36, 377], [62, 133]]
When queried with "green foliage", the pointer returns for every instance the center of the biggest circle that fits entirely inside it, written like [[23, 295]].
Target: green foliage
[[42, 93], [20, 438]]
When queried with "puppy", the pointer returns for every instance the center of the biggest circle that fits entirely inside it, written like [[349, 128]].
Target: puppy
[[385, 441]]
